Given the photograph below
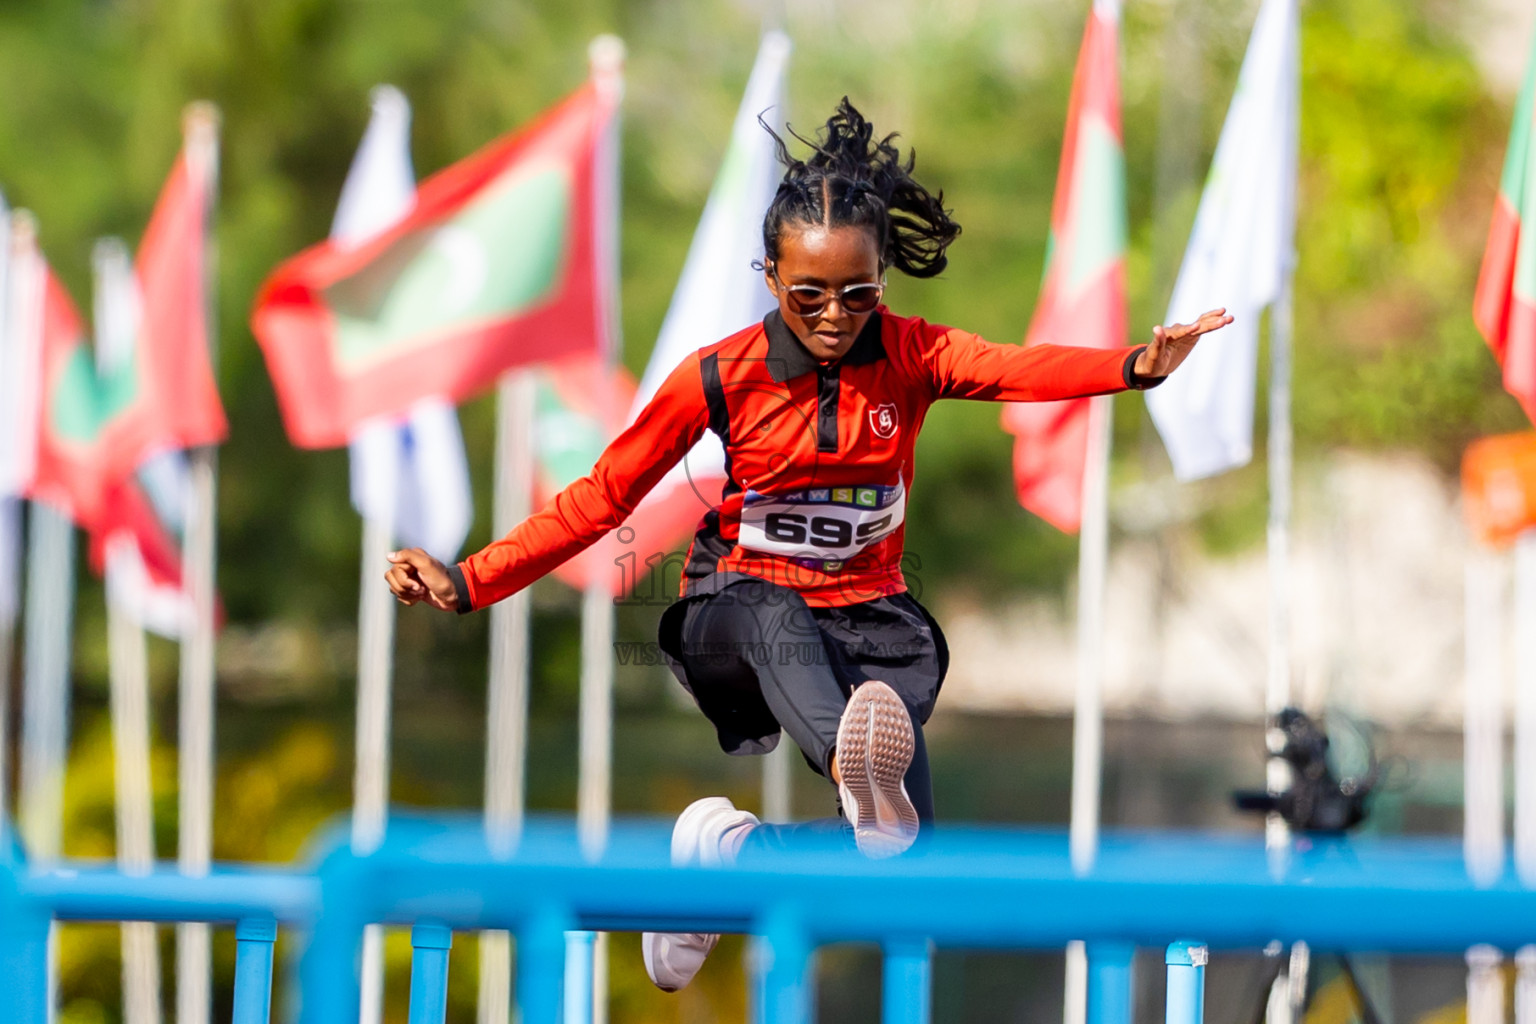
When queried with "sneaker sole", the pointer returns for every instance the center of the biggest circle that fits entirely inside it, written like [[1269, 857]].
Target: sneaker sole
[[651, 949], [874, 750]]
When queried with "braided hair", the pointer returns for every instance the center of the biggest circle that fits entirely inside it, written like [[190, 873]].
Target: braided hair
[[852, 179]]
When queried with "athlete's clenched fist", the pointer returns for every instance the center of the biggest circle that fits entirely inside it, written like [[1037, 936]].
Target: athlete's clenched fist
[[417, 576]]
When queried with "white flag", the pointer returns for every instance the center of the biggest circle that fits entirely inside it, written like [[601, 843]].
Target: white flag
[[1239, 255], [719, 293], [416, 461]]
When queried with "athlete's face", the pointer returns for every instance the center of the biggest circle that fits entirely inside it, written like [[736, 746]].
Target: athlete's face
[[811, 255]]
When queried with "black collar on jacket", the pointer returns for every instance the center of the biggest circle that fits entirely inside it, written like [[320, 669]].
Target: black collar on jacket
[[788, 358]]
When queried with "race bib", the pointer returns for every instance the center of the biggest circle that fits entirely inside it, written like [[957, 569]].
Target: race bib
[[825, 524]]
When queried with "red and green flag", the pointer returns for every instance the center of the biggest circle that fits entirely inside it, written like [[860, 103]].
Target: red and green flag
[[94, 428], [578, 408], [1505, 305], [176, 393], [1082, 297], [505, 259], [80, 413]]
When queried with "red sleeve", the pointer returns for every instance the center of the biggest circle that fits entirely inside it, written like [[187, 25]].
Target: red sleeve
[[962, 365], [669, 425]]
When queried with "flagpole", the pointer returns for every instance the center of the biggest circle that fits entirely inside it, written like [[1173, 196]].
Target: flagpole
[[587, 956], [1088, 711], [594, 797], [1525, 707], [778, 765], [1525, 763], [1483, 720], [49, 627], [10, 513], [195, 685], [10, 510], [1277, 690], [127, 668], [778, 782], [10, 570], [506, 749], [1288, 992], [375, 664], [128, 673], [1088, 704], [49, 616], [1483, 754], [1088, 707]]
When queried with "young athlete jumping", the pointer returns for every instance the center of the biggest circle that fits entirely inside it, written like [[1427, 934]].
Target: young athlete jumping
[[794, 614]]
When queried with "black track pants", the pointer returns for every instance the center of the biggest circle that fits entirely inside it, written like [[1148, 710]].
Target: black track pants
[[757, 659]]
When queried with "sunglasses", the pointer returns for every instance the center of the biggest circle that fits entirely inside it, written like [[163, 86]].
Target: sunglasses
[[809, 300]]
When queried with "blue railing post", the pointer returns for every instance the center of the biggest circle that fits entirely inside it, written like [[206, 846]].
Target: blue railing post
[[580, 958], [24, 961], [1186, 982], [330, 988], [541, 966], [429, 973], [781, 959], [907, 986], [254, 939], [1109, 982]]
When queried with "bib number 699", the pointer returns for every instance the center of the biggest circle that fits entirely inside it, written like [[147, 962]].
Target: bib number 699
[[822, 531]]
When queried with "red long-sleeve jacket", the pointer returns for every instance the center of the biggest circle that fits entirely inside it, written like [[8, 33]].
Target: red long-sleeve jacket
[[818, 456]]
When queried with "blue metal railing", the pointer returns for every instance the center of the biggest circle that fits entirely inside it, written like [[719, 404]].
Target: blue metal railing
[[999, 889]]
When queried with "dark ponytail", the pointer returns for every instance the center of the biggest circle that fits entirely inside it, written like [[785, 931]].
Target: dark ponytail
[[852, 179]]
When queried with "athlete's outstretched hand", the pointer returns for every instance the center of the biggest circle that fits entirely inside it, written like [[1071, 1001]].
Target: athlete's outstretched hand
[[1172, 345], [417, 576]]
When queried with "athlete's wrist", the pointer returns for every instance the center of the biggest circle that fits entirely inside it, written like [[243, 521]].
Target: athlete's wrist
[[1137, 381], [461, 596]]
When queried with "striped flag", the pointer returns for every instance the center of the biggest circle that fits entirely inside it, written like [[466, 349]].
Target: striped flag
[[1505, 305], [1082, 298], [502, 261], [399, 459], [1239, 255]]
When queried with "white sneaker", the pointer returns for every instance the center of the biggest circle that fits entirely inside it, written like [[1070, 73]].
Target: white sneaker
[[699, 837], [874, 749]]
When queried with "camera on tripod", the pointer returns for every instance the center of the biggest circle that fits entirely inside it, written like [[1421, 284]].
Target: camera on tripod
[[1317, 799]]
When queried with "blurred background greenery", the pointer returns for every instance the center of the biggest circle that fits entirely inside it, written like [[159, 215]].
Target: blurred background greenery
[[1402, 137]]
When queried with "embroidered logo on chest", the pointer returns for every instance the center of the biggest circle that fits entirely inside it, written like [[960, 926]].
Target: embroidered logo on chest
[[882, 420]]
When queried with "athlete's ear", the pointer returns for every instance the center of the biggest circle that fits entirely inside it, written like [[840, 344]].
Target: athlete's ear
[[770, 278]]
